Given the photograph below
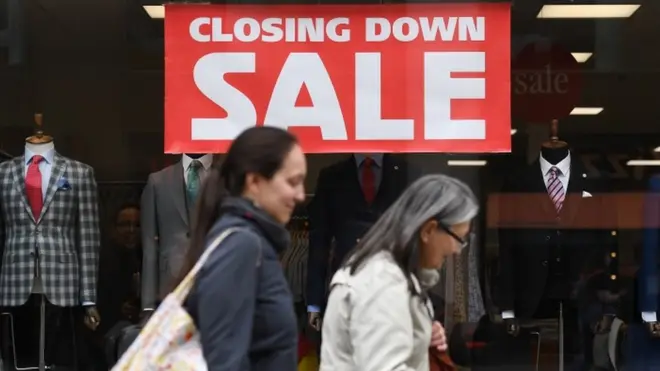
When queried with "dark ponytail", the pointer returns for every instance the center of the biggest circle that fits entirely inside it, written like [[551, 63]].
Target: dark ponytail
[[259, 150], [207, 211]]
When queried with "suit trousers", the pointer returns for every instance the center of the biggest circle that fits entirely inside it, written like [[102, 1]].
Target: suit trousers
[[64, 328]]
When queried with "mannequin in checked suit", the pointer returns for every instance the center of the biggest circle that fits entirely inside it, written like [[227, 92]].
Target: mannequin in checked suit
[[50, 239], [167, 203]]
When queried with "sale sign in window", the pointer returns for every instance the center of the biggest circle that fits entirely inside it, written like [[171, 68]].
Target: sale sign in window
[[363, 78]]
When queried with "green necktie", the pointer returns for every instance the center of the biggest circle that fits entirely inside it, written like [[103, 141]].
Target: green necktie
[[192, 181]]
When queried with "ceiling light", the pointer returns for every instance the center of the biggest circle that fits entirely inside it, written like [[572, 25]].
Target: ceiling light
[[657, 149], [643, 163], [514, 131], [155, 11], [586, 111], [582, 57], [588, 10], [467, 162]]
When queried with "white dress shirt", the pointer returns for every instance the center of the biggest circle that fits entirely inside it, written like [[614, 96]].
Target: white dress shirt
[[564, 167], [206, 161]]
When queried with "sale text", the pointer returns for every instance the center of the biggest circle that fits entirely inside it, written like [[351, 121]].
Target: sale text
[[375, 29]]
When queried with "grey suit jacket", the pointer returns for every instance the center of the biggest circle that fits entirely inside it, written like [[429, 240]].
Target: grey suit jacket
[[66, 235], [165, 229]]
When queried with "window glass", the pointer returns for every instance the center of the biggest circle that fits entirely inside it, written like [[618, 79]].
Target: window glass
[[565, 246]]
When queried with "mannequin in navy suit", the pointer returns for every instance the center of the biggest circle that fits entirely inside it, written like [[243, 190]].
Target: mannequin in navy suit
[[644, 331], [545, 250], [339, 212]]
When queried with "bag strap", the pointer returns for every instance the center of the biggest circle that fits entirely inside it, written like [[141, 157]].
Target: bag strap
[[181, 291], [612, 342]]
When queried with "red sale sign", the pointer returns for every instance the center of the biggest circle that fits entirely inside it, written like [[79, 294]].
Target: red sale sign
[[363, 78]]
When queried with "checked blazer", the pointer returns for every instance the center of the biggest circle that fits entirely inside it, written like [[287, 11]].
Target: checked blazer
[[65, 237]]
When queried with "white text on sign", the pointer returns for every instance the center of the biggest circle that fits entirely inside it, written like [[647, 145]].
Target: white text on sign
[[307, 69], [404, 29]]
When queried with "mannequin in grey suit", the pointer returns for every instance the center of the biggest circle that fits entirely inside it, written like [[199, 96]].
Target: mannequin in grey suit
[[167, 203]]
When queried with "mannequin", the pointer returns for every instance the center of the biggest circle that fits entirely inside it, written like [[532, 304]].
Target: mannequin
[[643, 332], [648, 275], [543, 250], [167, 204], [52, 200], [350, 196]]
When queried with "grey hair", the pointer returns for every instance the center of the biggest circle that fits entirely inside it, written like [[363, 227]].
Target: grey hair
[[440, 197]]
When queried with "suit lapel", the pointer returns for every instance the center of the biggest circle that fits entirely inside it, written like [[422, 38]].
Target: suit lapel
[[177, 188], [352, 172], [18, 172], [573, 193], [57, 171], [388, 175]]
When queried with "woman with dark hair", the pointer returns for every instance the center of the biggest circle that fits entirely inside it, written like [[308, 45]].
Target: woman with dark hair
[[379, 317], [241, 303]]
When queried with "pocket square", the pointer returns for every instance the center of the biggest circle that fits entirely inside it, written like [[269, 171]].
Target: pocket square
[[63, 183], [586, 194]]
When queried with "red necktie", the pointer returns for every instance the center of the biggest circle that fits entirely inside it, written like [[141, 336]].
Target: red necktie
[[33, 186], [368, 180]]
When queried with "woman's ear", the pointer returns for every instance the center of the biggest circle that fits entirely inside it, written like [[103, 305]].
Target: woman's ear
[[427, 230]]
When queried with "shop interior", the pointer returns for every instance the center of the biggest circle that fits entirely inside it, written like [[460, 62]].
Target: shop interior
[[91, 74]]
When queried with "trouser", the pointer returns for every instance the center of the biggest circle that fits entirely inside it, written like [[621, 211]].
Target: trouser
[[63, 329]]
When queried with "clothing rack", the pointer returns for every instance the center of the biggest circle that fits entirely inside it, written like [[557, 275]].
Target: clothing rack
[[294, 259]]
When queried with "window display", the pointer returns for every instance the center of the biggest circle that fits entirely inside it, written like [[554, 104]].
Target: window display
[[568, 228], [50, 239]]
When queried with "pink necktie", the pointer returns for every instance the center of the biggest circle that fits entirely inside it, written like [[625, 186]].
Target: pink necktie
[[556, 189]]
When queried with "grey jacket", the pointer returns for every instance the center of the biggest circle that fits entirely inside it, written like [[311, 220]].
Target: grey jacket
[[165, 232]]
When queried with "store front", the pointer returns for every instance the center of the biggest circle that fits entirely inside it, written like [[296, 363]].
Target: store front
[[93, 74]]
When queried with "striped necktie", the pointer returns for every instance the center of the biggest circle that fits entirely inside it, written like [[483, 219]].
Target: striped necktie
[[556, 189]]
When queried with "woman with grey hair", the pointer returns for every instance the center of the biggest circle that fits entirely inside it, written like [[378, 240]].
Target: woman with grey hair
[[378, 316]]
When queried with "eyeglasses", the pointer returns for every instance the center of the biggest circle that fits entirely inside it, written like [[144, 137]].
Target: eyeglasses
[[464, 242]]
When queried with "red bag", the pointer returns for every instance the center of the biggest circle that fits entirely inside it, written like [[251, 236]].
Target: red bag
[[440, 361]]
